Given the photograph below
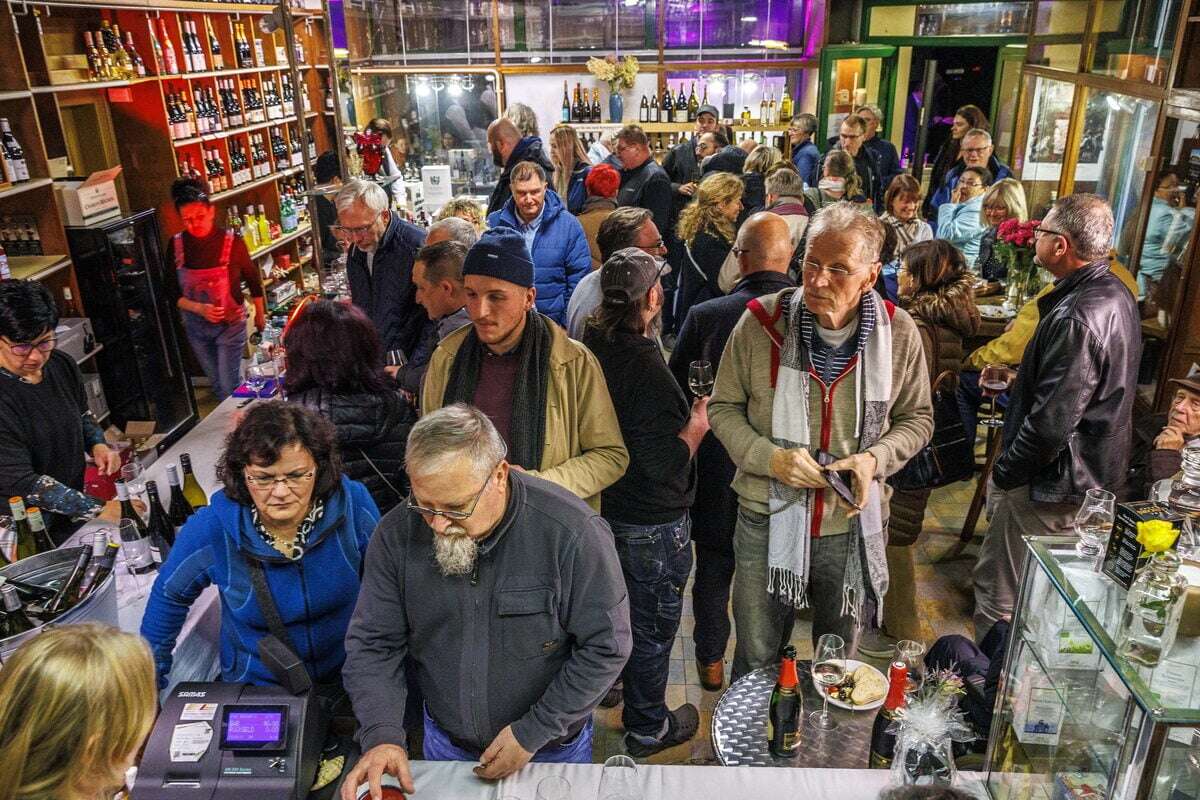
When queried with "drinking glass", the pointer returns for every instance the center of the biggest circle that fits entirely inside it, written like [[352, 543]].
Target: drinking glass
[[134, 478], [993, 381], [828, 670], [909, 652], [554, 787], [1093, 523], [396, 358], [620, 778], [256, 379], [700, 378]]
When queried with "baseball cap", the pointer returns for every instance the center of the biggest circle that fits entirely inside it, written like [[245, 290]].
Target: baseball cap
[[709, 109], [628, 274]]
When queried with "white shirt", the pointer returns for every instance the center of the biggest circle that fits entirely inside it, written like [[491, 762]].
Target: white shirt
[[837, 338]]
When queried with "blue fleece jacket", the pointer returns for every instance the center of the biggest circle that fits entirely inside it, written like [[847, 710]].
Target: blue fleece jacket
[[561, 256], [315, 594], [998, 168]]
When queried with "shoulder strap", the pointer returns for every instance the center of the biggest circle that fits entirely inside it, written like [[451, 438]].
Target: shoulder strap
[[768, 322], [266, 604], [177, 243], [379, 472], [226, 248]]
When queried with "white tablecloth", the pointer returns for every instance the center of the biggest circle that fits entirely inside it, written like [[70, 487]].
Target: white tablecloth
[[439, 780]]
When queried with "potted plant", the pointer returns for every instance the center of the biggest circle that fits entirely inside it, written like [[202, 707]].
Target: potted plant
[[618, 74]]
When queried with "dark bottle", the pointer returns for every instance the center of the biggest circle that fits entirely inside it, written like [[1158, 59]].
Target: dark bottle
[[37, 527], [14, 621], [25, 545], [644, 110], [783, 716], [178, 509], [667, 106], [135, 544], [162, 535], [104, 555], [681, 109], [883, 740], [58, 603], [566, 105], [596, 107]]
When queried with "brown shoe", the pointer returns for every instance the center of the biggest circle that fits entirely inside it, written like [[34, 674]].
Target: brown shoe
[[712, 676]]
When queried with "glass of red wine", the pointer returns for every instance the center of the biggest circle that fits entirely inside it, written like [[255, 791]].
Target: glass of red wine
[[993, 382]]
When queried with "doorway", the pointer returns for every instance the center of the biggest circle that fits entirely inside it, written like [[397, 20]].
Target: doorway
[[965, 76]]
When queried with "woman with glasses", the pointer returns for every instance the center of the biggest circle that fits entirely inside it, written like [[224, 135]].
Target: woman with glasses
[[288, 513], [960, 221], [1004, 200], [211, 264], [45, 425]]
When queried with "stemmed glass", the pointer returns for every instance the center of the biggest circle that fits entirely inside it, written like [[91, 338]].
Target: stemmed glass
[[828, 670], [619, 779], [1094, 522], [554, 787], [257, 376], [133, 477], [993, 381], [700, 378], [909, 652]]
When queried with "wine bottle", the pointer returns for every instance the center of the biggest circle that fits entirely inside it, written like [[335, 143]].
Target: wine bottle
[[214, 44], [14, 156], [566, 105], [745, 115], [596, 107], [37, 527], [127, 510], [191, 487], [693, 105], [644, 110], [667, 106], [772, 111], [58, 603], [762, 111], [104, 555], [883, 740], [14, 621], [25, 545], [178, 509], [162, 534], [785, 107], [139, 64], [92, 55], [169, 60], [655, 111], [681, 109], [783, 716]]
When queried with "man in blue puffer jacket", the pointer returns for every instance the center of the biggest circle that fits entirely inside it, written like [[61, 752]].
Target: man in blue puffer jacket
[[555, 239], [314, 586]]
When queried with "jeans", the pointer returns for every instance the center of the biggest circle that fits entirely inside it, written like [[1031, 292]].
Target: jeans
[[970, 399], [438, 747], [764, 625], [656, 561], [710, 601], [218, 347]]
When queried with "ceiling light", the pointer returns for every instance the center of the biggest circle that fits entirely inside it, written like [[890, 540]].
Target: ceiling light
[[749, 18]]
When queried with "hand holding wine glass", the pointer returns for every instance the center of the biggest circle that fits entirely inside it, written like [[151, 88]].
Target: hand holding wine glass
[[828, 670], [994, 380], [700, 378]]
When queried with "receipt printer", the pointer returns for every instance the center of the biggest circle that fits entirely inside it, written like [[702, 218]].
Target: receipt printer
[[232, 740]]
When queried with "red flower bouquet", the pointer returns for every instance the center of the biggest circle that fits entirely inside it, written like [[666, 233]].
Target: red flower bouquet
[[1014, 246], [370, 148]]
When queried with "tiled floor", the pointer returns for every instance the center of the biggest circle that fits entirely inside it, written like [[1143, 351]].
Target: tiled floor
[[943, 594]]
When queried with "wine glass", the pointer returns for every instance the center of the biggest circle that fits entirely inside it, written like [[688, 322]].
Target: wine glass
[[554, 787], [135, 554], [134, 478], [700, 378], [396, 358], [828, 670], [256, 379], [993, 381], [909, 652], [620, 778], [1093, 523]]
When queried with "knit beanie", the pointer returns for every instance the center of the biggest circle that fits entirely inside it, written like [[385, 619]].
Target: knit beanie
[[501, 253]]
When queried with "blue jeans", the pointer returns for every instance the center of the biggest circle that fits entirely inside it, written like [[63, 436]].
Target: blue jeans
[[656, 560], [218, 348], [438, 747]]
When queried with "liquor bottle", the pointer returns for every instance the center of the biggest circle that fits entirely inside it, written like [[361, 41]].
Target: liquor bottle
[[644, 110], [139, 65], [655, 111], [14, 620], [93, 57], [59, 602], [745, 115], [104, 556], [668, 106], [156, 51], [214, 45], [681, 109], [762, 111], [191, 487], [596, 107], [37, 529], [704, 99], [783, 716], [577, 112], [250, 230], [264, 228], [162, 535], [169, 60], [883, 741], [25, 544], [785, 107], [14, 156], [203, 123], [179, 509], [566, 105], [693, 105]]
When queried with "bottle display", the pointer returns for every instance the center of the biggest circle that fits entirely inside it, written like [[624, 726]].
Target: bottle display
[[162, 534], [104, 556], [25, 545]]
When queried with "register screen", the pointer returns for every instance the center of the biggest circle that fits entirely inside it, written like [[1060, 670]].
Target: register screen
[[254, 727]]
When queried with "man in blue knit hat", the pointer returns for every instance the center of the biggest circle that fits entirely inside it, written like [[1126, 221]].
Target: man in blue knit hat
[[544, 392]]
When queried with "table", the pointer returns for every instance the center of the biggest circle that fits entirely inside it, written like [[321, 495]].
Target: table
[[196, 650], [739, 726], [438, 780]]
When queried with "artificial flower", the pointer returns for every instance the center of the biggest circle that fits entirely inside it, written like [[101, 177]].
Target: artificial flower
[[1156, 535]]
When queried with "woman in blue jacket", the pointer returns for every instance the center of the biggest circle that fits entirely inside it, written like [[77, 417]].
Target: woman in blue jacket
[[285, 505]]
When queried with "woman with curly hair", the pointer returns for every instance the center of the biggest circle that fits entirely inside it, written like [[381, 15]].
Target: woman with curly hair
[[706, 228], [462, 207]]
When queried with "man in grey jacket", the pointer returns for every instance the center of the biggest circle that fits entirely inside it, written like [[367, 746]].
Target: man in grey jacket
[[506, 593]]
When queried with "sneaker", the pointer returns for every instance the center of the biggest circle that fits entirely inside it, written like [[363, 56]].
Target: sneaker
[[876, 644], [614, 696], [682, 724], [712, 676]]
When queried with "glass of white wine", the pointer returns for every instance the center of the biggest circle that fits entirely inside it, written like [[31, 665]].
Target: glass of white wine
[[700, 378], [1094, 522], [828, 670]]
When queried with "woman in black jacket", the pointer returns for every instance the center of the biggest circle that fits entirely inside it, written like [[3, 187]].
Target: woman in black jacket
[[335, 366], [706, 228]]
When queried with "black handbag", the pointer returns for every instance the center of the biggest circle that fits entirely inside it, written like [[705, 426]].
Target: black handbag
[[950, 454]]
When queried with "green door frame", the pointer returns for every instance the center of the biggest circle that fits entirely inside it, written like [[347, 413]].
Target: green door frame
[[837, 52], [1008, 52]]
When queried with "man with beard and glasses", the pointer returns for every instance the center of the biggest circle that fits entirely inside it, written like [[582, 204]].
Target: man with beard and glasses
[[506, 593], [542, 390]]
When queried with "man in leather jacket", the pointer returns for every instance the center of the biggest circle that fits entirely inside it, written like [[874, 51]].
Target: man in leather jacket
[[1067, 427]]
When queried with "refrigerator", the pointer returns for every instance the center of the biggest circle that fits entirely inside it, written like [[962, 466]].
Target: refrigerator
[[123, 282]]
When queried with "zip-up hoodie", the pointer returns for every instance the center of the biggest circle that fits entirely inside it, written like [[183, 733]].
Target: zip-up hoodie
[[315, 594]]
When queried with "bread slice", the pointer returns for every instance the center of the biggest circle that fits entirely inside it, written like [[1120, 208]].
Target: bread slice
[[869, 686]]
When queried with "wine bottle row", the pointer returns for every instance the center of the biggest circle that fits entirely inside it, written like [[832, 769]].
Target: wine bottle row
[[579, 110], [16, 168]]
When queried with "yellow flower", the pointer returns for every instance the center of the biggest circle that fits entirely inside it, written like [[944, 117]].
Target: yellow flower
[[1156, 535]]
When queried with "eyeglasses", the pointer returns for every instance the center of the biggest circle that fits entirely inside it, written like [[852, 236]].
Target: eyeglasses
[[292, 480], [970, 184], [1051, 232], [355, 231], [811, 268], [976, 150], [24, 349], [654, 249], [454, 515]]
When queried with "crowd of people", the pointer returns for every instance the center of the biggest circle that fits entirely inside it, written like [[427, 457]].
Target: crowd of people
[[504, 524]]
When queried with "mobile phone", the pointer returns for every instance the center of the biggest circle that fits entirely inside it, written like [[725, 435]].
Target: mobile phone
[[838, 481]]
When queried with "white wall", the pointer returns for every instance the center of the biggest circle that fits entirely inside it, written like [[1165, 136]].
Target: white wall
[[543, 93]]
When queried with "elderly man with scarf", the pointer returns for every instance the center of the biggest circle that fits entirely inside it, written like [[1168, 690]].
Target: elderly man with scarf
[[544, 391], [824, 378]]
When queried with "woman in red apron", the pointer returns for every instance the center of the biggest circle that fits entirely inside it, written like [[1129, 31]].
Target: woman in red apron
[[211, 264]]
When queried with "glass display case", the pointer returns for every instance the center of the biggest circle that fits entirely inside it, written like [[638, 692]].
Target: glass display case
[[1075, 719]]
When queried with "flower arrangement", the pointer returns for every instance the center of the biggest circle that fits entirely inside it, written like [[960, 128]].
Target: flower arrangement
[[926, 728], [618, 74], [1014, 246]]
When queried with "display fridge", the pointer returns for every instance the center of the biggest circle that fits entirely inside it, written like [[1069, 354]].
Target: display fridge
[[123, 280]]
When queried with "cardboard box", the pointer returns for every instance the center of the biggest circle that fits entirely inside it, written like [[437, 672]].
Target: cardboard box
[[141, 436], [1123, 551], [92, 200]]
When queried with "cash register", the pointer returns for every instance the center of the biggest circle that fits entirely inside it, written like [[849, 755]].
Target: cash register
[[232, 740]]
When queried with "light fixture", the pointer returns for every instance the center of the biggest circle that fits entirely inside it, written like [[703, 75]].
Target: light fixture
[[454, 89], [749, 18], [768, 44], [633, 2], [422, 89], [535, 59]]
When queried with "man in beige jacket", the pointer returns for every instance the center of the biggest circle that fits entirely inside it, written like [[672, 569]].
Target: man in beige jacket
[[544, 392], [828, 378]]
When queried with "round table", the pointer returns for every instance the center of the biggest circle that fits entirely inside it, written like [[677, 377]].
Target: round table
[[739, 727]]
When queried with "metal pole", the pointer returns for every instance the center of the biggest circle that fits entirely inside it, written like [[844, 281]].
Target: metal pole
[[924, 119]]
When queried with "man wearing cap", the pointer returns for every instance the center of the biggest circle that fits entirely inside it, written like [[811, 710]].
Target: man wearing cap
[[647, 508], [543, 391], [1159, 456]]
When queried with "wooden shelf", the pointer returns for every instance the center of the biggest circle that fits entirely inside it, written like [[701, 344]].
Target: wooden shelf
[[208, 137], [263, 181], [282, 240], [34, 268], [218, 73], [85, 85], [18, 188]]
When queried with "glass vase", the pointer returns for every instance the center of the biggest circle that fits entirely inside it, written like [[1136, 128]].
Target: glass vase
[[1152, 610]]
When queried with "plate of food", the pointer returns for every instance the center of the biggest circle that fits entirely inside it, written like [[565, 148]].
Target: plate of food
[[863, 689], [994, 312]]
